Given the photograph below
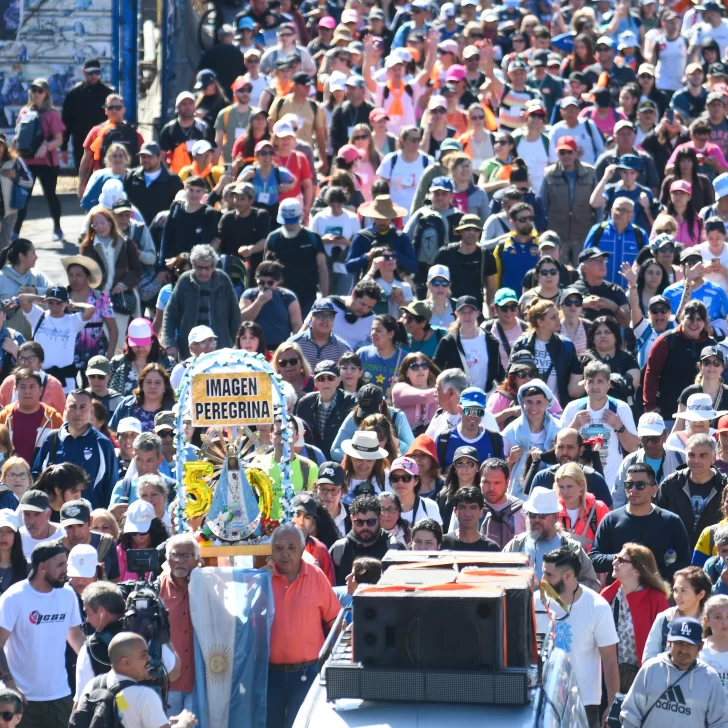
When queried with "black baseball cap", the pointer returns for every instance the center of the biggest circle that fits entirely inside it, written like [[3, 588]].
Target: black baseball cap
[[326, 367], [369, 400], [43, 552], [466, 451], [306, 503], [59, 293], [590, 253], [302, 78], [467, 301], [75, 513], [34, 500], [331, 472], [572, 292], [658, 299], [91, 64]]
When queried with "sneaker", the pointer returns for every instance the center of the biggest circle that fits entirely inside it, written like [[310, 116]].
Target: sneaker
[[58, 235]]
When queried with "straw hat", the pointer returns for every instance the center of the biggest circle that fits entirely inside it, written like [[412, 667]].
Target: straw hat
[[382, 208], [364, 445], [94, 271]]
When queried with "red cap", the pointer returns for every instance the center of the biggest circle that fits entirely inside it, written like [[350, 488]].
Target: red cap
[[722, 425], [327, 22], [239, 82], [566, 142], [680, 185], [262, 145], [348, 153], [377, 114]]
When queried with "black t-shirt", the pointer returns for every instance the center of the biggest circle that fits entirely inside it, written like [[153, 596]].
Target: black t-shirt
[[699, 493], [187, 229], [451, 543], [466, 271], [209, 107], [567, 276], [620, 363], [235, 231], [172, 134], [607, 290], [298, 256]]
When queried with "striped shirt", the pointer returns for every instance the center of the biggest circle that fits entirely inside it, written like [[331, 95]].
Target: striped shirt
[[333, 349], [512, 103]]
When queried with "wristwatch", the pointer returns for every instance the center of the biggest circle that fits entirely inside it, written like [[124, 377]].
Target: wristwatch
[[621, 430]]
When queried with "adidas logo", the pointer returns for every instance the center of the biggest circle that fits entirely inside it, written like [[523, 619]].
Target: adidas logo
[[673, 701]]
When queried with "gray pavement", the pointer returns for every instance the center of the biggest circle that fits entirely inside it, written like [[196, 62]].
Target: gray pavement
[[38, 227]]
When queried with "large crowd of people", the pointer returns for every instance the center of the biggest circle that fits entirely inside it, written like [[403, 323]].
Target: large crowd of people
[[484, 247]]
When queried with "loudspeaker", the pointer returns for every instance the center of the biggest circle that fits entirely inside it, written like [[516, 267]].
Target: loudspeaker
[[430, 629]]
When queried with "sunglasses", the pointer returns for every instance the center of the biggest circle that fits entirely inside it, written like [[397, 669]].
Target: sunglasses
[[464, 463], [509, 307], [650, 440], [252, 60], [324, 378], [334, 490], [418, 367], [361, 522], [388, 257], [7, 715], [288, 362], [545, 271], [359, 137], [501, 141], [245, 90], [621, 560], [115, 107], [439, 110], [659, 310], [89, 73], [477, 118], [572, 303], [525, 218], [97, 376], [525, 374], [474, 411], [712, 363], [265, 153], [400, 478], [636, 484], [439, 283]]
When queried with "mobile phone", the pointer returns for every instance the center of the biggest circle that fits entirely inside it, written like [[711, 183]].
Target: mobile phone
[[716, 261], [670, 114]]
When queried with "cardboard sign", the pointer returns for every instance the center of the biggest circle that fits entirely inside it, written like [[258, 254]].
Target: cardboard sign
[[244, 398]]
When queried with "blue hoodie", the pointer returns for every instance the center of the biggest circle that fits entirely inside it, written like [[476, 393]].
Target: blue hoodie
[[92, 451]]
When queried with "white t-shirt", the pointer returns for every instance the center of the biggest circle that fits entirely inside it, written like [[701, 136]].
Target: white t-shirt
[[610, 453], [36, 648], [357, 334], [708, 257], [346, 225], [476, 356], [139, 706], [403, 177], [591, 145], [85, 670], [719, 662], [671, 62], [719, 35], [29, 543], [589, 626], [536, 158], [426, 509], [57, 336]]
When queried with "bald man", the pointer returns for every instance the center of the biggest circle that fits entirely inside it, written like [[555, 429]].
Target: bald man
[[129, 658], [568, 448]]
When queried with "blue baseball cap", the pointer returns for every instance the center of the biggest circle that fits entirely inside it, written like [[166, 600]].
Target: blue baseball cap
[[441, 183], [323, 305], [504, 295], [630, 161], [472, 397], [245, 23], [686, 629], [289, 212]]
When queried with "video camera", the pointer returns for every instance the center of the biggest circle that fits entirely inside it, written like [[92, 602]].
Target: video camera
[[145, 613]]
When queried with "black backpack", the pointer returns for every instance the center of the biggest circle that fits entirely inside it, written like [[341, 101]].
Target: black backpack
[[443, 441], [29, 136], [98, 707], [121, 134]]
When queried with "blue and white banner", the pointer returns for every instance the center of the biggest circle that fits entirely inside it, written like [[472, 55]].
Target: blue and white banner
[[232, 614]]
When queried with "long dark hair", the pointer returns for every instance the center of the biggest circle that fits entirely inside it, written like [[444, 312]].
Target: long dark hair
[[326, 529], [11, 254], [393, 326], [381, 250], [63, 476], [18, 562], [576, 63], [664, 281], [168, 396], [155, 349], [249, 141], [691, 216], [256, 330], [157, 531], [611, 323], [687, 153], [452, 482]]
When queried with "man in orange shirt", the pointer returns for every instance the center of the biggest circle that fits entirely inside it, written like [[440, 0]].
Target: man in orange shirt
[[304, 603]]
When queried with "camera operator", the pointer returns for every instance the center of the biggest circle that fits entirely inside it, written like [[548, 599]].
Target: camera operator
[[139, 706], [105, 605], [183, 554]]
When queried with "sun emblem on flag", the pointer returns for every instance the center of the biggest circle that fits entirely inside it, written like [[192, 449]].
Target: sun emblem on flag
[[219, 663]]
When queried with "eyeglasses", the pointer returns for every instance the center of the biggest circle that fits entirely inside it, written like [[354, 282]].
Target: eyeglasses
[[621, 560], [419, 367], [359, 137], [477, 118], [265, 153], [27, 359], [390, 510], [115, 107], [474, 411], [184, 556], [636, 484], [324, 378], [97, 376], [361, 522], [526, 218], [509, 308], [414, 140], [572, 303], [464, 463], [265, 282], [659, 310], [400, 478], [324, 316], [439, 284], [438, 110], [323, 491], [650, 439], [547, 271], [288, 362], [17, 476], [525, 374], [501, 141]]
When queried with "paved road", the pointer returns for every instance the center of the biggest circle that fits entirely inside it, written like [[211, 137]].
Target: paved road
[[38, 227]]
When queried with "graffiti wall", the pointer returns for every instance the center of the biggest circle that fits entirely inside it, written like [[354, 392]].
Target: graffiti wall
[[49, 39]]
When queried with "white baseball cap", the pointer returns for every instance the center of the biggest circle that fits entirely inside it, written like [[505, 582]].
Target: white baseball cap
[[82, 561], [650, 423], [129, 424], [438, 271], [283, 129], [8, 519], [182, 96], [201, 146], [200, 333], [139, 517]]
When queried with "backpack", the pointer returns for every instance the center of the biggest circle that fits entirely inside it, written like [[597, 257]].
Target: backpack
[[429, 231], [443, 441], [407, 89], [423, 158], [120, 134], [280, 101], [98, 707], [29, 136], [500, 526], [639, 237]]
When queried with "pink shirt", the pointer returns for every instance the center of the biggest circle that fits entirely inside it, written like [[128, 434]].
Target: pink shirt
[[710, 150]]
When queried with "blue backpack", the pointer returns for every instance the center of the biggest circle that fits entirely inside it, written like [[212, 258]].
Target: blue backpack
[[29, 136]]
